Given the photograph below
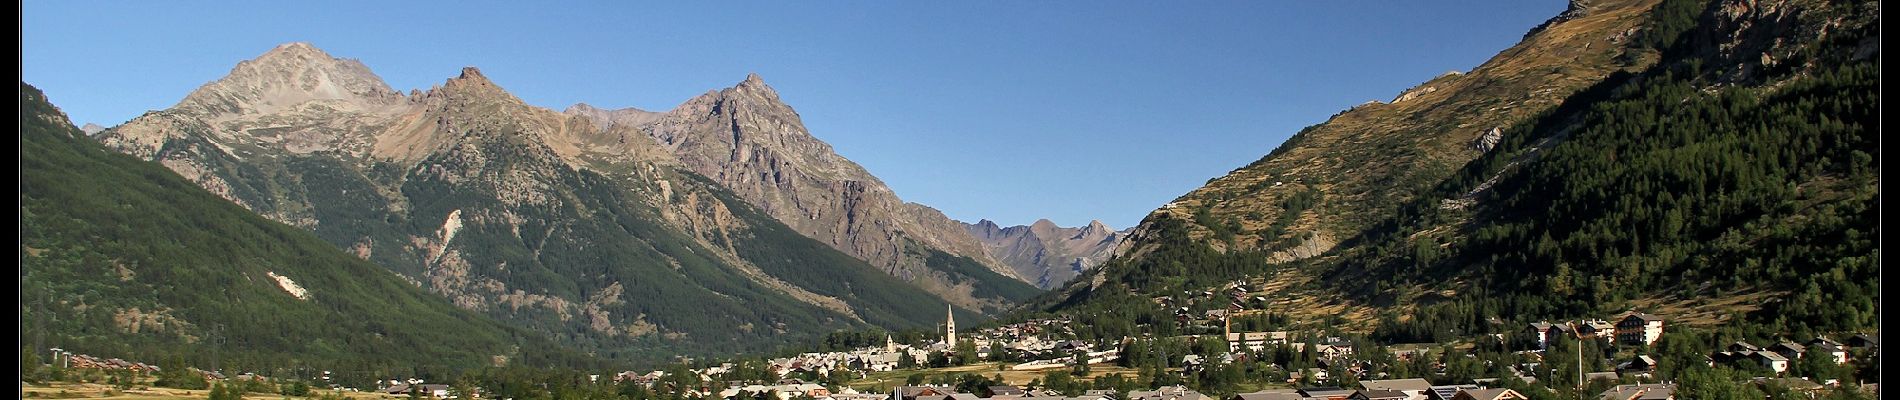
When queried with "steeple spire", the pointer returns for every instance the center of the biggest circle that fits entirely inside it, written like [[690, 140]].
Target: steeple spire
[[949, 325]]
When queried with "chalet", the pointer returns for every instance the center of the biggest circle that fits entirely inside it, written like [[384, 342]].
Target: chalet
[[913, 392], [1006, 390], [1596, 328], [1863, 341], [1725, 357], [1379, 395], [1489, 394], [209, 375], [1333, 350], [1176, 392], [1639, 329], [1191, 362], [1740, 346], [1446, 392], [1823, 340], [1791, 350], [953, 396], [1255, 341], [82, 361], [1563, 329], [1216, 314], [1541, 332], [1270, 394], [1640, 392], [1414, 389], [1640, 365], [1822, 348], [429, 390], [1774, 362], [1327, 392]]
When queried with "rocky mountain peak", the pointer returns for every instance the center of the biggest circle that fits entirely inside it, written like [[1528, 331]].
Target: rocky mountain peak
[[471, 86], [473, 74], [92, 128], [471, 77], [984, 229], [1044, 228], [288, 75], [755, 86], [1045, 252]]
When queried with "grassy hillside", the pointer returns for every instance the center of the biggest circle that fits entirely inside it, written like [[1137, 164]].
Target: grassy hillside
[[1704, 177], [123, 258], [1330, 181], [1739, 165]]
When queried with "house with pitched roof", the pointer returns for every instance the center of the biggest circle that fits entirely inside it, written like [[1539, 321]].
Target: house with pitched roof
[[1639, 329]]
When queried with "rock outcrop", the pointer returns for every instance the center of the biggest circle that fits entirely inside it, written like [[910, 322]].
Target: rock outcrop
[[1488, 140]]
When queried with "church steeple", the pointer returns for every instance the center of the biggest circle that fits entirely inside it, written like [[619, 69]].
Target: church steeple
[[949, 325]]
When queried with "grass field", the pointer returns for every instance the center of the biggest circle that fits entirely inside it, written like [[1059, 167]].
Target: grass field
[[72, 390]]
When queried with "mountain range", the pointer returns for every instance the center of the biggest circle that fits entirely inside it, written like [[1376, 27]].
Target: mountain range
[[720, 225], [1050, 254], [1708, 161]]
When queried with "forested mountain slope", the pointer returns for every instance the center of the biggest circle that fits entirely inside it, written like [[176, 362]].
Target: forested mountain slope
[[123, 258], [1737, 161]]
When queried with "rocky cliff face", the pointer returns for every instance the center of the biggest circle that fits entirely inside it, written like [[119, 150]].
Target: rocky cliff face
[[577, 224], [1051, 255]]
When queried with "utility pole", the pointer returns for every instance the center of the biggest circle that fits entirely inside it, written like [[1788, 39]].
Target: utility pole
[[217, 342], [1579, 336], [39, 342]]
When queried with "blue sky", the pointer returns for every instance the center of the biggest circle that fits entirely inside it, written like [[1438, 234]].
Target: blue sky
[[1010, 111]]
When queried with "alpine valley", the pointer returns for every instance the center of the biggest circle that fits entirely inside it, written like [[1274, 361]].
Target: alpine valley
[[1711, 165]]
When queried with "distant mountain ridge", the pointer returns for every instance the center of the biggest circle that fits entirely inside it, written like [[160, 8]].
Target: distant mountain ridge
[[576, 224], [1051, 254]]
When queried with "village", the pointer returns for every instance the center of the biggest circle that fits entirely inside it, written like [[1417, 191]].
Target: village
[[1048, 367]]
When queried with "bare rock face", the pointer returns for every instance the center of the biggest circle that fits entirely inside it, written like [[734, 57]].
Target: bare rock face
[[752, 143], [1488, 140], [1050, 254], [288, 76]]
